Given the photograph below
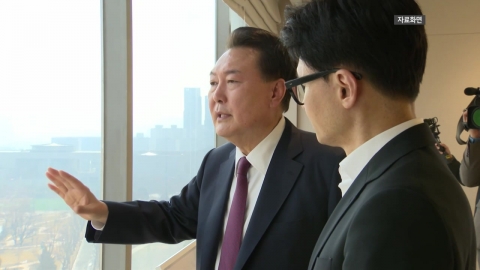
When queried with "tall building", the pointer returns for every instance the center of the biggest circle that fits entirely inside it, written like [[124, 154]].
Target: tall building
[[192, 109], [207, 122]]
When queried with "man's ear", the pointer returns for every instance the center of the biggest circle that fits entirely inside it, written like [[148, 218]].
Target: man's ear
[[347, 88], [278, 92]]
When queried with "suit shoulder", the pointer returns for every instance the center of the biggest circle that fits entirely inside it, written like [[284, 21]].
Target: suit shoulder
[[221, 152], [404, 217]]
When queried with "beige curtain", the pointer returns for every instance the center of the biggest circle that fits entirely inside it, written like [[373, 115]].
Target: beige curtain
[[265, 14]]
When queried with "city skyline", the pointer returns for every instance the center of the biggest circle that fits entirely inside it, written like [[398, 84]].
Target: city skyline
[[195, 117], [51, 84], [162, 164]]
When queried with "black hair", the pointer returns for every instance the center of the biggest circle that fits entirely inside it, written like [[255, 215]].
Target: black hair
[[360, 35], [274, 60]]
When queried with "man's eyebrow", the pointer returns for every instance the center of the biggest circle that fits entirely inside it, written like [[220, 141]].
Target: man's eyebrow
[[230, 71]]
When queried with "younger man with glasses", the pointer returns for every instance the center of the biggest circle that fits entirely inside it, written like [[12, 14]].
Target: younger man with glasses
[[401, 207]]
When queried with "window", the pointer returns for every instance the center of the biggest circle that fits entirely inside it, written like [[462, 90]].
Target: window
[[173, 54], [50, 115]]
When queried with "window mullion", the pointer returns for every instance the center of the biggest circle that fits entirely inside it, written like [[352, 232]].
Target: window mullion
[[117, 116]]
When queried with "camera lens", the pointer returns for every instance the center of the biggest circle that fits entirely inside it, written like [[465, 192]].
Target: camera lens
[[473, 118], [476, 116]]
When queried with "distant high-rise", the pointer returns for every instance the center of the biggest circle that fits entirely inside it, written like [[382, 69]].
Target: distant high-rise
[[192, 109], [207, 122]]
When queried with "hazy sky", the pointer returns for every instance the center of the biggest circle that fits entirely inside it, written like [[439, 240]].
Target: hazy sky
[[50, 65]]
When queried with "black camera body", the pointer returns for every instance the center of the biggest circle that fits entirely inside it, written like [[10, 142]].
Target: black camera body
[[473, 114]]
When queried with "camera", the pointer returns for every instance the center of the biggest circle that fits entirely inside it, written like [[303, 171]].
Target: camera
[[473, 109], [433, 125]]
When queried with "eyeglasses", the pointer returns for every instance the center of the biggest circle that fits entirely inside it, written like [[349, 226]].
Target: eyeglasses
[[297, 90]]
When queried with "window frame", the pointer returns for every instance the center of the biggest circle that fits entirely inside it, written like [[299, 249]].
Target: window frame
[[117, 133]]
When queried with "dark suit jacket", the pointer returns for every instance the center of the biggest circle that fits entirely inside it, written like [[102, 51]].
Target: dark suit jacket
[[405, 210], [299, 192], [454, 166]]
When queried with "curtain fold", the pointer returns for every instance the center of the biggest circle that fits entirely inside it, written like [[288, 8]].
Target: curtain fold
[[264, 14]]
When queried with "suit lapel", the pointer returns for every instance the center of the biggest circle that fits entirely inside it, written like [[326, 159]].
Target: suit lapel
[[214, 222], [281, 175], [413, 138], [342, 207]]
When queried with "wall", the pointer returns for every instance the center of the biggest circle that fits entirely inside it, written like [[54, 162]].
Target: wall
[[453, 63]]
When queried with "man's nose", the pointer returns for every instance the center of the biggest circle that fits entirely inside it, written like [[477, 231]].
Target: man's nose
[[219, 93]]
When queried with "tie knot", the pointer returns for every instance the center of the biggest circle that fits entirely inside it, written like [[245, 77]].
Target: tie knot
[[243, 166]]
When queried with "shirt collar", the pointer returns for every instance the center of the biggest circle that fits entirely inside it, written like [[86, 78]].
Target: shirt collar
[[351, 166], [261, 155]]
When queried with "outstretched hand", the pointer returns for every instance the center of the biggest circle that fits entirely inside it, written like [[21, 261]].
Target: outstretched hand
[[77, 196]]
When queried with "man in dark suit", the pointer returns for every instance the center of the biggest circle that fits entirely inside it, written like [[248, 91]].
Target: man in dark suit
[[292, 179], [401, 207]]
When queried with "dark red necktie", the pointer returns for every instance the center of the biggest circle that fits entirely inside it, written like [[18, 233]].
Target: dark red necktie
[[236, 218]]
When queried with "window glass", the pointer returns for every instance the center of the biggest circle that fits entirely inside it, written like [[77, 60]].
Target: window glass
[[50, 116], [173, 54]]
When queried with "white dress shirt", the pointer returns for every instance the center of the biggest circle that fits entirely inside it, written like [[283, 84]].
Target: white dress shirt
[[260, 158], [353, 164]]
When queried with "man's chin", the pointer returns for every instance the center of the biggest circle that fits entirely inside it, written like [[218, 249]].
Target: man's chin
[[329, 141], [222, 133]]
